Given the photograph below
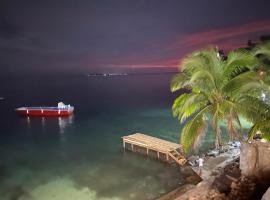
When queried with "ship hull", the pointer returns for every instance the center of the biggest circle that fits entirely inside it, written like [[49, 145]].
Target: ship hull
[[53, 111]]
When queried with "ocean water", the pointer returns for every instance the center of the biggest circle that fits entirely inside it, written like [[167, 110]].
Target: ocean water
[[81, 157]]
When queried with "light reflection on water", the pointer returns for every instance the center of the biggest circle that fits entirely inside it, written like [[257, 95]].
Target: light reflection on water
[[63, 122], [28, 122]]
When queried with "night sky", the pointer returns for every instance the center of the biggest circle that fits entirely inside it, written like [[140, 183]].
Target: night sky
[[118, 35]]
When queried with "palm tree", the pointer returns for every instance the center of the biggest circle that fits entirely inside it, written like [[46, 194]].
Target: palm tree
[[220, 90], [262, 51]]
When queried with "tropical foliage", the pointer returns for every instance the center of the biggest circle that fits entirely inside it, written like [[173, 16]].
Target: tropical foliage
[[220, 89], [262, 51]]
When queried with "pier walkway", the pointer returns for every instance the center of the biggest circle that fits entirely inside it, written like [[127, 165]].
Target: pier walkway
[[164, 149]]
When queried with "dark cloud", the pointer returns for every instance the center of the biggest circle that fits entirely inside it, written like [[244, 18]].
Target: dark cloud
[[8, 30], [88, 35]]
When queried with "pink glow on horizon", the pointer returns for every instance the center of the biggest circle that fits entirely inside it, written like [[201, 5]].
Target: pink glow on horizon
[[159, 64], [225, 38]]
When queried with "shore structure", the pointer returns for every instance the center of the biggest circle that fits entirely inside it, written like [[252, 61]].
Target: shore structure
[[213, 162], [212, 175], [165, 150]]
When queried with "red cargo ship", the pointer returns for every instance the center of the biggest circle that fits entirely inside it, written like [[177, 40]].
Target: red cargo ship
[[60, 110]]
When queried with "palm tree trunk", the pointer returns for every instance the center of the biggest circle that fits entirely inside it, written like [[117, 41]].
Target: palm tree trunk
[[231, 129], [233, 133], [217, 133], [240, 126], [218, 142]]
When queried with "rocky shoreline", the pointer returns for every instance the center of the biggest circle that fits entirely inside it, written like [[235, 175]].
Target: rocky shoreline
[[214, 161], [221, 179]]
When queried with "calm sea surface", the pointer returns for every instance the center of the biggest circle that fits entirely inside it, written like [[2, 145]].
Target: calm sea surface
[[81, 157]]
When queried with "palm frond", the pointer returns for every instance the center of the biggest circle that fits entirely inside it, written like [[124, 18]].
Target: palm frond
[[193, 129], [178, 103], [253, 109], [238, 61], [262, 49], [207, 59], [252, 132], [188, 104], [179, 81], [203, 79], [237, 119], [261, 126], [245, 82], [213, 60], [240, 57]]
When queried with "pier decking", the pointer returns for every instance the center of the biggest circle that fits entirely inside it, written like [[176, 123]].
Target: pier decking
[[172, 151]]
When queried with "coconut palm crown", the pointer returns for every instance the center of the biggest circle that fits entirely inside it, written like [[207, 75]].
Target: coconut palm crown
[[219, 90]]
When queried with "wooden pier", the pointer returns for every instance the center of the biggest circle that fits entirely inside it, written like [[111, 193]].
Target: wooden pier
[[171, 151]]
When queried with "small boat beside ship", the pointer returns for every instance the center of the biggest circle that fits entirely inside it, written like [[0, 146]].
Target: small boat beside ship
[[60, 110]]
